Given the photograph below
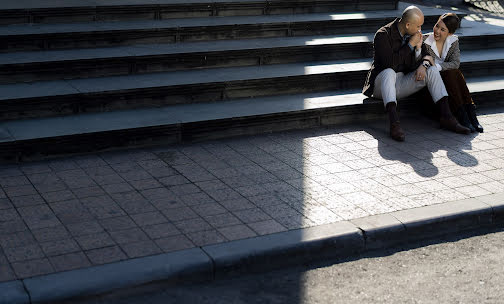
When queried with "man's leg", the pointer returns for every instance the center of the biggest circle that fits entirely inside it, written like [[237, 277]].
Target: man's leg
[[385, 88]]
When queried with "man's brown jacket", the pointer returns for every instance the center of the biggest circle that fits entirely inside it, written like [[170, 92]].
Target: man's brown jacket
[[390, 52]]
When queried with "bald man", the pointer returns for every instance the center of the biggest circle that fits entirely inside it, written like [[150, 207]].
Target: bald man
[[402, 67]]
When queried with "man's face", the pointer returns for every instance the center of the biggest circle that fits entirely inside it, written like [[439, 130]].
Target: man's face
[[415, 25]]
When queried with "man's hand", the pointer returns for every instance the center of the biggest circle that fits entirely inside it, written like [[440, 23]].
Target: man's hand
[[416, 40], [431, 60], [420, 73]]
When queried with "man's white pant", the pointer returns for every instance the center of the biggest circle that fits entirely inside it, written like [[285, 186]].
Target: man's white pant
[[391, 86]]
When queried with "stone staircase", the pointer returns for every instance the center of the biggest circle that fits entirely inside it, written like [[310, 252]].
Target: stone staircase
[[97, 75]]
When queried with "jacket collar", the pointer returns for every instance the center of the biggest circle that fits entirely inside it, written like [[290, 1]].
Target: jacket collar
[[448, 43]]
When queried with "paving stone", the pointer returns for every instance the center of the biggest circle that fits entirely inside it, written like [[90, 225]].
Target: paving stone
[[207, 237], [23, 253], [17, 239], [89, 161], [33, 168], [493, 187], [223, 194], [32, 268], [140, 249], [13, 181], [84, 228], [62, 165], [105, 255], [129, 236], [184, 189], [237, 204], [70, 261], [194, 199], [40, 216], [6, 273], [251, 215], [133, 202], [208, 209], [88, 192], [237, 232], [111, 179], [279, 211], [102, 207], [50, 234], [79, 182], [10, 171], [117, 188], [21, 190], [9, 215], [5, 203], [192, 225], [179, 214], [93, 241], [71, 211], [41, 178], [145, 184], [222, 220], [149, 218], [161, 230], [267, 227], [59, 247], [473, 191], [174, 243], [117, 223]]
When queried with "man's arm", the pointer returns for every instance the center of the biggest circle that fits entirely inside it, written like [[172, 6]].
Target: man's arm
[[385, 56]]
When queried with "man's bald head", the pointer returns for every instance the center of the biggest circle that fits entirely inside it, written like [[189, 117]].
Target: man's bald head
[[411, 21], [412, 14]]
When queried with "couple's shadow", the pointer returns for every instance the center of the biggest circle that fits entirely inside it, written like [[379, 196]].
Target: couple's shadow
[[427, 147]]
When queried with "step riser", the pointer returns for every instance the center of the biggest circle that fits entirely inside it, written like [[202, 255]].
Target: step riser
[[185, 94], [193, 132], [160, 12], [15, 43]]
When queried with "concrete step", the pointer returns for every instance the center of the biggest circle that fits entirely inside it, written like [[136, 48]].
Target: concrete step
[[63, 97], [140, 59], [53, 11], [41, 137], [29, 37]]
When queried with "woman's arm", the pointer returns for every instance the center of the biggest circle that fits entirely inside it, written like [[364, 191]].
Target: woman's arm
[[452, 60]]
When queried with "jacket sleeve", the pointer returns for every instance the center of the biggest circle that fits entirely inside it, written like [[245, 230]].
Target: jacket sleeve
[[452, 61], [385, 57]]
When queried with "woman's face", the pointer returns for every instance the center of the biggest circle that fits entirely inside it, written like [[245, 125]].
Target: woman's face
[[440, 31]]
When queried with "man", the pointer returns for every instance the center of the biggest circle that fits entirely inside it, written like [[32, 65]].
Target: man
[[402, 67]]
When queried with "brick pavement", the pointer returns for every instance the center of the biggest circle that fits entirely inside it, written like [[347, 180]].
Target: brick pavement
[[75, 212]]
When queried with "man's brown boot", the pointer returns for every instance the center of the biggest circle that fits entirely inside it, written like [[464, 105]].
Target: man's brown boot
[[396, 132]]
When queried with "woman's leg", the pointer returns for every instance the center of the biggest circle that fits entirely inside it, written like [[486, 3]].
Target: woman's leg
[[459, 96]]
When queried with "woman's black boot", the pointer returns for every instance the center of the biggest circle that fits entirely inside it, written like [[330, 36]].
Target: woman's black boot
[[471, 113], [463, 119]]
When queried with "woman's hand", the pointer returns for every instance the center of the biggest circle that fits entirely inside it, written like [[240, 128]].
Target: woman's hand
[[430, 58]]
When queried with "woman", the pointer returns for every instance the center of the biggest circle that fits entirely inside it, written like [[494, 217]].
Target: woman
[[443, 46]]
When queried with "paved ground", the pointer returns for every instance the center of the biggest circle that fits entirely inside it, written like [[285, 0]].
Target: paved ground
[[466, 268], [76, 212]]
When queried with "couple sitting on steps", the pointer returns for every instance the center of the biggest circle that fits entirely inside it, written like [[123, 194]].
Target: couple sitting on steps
[[405, 62]]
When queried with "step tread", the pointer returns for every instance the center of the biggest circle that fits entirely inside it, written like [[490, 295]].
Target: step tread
[[202, 76], [99, 26], [30, 129]]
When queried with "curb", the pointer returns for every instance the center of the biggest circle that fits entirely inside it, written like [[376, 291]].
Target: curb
[[263, 253]]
